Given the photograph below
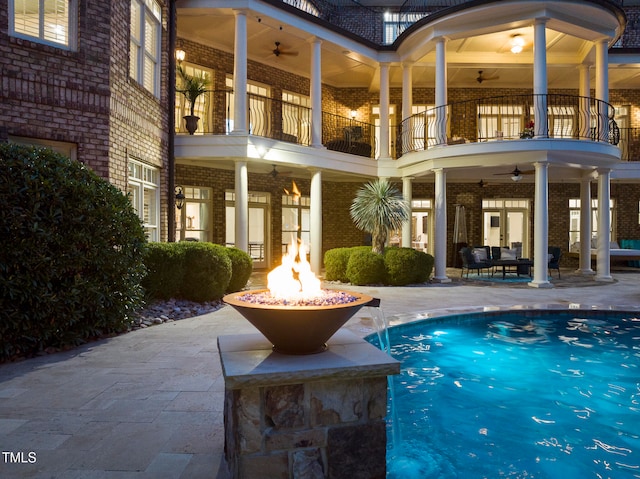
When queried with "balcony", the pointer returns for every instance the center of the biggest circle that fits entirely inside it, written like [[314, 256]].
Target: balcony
[[283, 121], [508, 118]]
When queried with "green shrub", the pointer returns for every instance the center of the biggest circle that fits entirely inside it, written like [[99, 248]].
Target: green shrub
[[71, 256], [207, 271], [241, 269], [165, 270], [335, 264], [406, 266], [424, 267], [365, 267]]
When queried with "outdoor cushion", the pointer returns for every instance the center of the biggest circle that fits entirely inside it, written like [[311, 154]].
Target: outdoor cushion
[[506, 253], [479, 255]]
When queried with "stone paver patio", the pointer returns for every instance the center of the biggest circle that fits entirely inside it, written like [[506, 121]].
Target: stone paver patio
[[148, 404]]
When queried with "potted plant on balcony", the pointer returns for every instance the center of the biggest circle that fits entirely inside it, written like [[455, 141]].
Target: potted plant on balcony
[[192, 86], [528, 131]]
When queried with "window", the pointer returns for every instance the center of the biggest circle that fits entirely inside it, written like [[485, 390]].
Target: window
[[574, 222], [501, 121], [144, 46], [45, 21], [203, 107], [144, 191], [296, 118], [194, 219], [396, 23], [258, 104], [422, 126], [296, 220]]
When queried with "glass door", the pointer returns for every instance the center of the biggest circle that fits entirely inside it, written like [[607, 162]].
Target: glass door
[[506, 223], [259, 244]]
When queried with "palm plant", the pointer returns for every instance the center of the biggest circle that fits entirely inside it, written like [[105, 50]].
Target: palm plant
[[377, 208], [192, 86]]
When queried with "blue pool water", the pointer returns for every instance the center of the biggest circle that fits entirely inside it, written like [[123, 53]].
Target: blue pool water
[[528, 395]]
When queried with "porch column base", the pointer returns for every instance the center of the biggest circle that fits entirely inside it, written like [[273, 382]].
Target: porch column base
[[605, 278], [586, 272], [540, 284], [443, 279]]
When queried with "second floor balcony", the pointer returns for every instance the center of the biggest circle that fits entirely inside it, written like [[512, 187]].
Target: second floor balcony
[[502, 118]]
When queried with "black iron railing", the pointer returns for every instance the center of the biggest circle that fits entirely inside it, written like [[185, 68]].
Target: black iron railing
[[348, 135], [507, 118], [279, 120]]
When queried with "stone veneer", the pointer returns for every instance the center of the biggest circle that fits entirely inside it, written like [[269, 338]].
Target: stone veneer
[[314, 416]]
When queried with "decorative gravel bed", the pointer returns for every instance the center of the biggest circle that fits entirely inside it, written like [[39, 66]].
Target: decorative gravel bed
[[172, 310]]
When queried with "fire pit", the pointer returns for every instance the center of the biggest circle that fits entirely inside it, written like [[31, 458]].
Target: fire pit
[[295, 329], [295, 313]]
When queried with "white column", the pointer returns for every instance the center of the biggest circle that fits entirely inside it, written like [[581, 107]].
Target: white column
[[441, 92], [585, 226], [242, 206], [603, 268], [602, 89], [315, 226], [384, 112], [240, 74], [407, 192], [585, 111], [316, 93], [540, 77], [407, 102], [541, 228], [440, 237]]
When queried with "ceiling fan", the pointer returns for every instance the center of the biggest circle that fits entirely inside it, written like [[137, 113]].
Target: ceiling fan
[[274, 173], [277, 52], [482, 78], [516, 174]]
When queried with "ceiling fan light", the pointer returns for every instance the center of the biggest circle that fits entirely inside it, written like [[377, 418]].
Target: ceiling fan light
[[516, 178], [517, 43]]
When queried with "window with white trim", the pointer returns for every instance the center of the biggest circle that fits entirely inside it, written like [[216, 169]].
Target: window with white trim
[[574, 223], [296, 117], [45, 21], [259, 107], [296, 220], [193, 220], [144, 192], [144, 44], [501, 121]]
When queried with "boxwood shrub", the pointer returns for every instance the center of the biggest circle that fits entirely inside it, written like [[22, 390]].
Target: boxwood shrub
[[365, 267], [71, 261], [194, 271], [241, 269], [401, 266], [407, 266]]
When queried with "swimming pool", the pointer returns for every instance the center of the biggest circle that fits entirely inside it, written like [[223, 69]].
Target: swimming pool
[[535, 394]]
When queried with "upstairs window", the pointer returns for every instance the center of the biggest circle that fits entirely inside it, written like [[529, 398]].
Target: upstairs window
[[144, 44], [45, 21]]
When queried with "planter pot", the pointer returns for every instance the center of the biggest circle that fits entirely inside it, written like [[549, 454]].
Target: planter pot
[[191, 123], [297, 329]]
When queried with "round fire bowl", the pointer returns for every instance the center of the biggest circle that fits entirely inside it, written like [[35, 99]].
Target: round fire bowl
[[296, 329]]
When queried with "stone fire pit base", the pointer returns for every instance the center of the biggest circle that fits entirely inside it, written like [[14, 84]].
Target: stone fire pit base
[[319, 416]]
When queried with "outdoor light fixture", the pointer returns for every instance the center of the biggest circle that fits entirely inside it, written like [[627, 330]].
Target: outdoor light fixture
[[353, 114], [515, 175], [517, 43], [180, 55], [179, 192]]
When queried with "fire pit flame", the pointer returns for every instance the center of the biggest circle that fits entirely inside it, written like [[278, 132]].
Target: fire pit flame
[[293, 280]]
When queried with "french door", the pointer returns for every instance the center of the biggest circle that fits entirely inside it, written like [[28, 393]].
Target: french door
[[506, 223]]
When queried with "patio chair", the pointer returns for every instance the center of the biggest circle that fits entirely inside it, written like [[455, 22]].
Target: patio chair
[[469, 261], [555, 253]]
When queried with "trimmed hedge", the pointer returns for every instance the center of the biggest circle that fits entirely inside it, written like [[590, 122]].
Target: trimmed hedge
[[241, 269], [401, 266], [365, 267], [71, 261], [195, 271]]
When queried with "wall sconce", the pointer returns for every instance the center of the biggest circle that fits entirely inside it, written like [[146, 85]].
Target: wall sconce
[[180, 55], [179, 192], [517, 43], [353, 114]]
